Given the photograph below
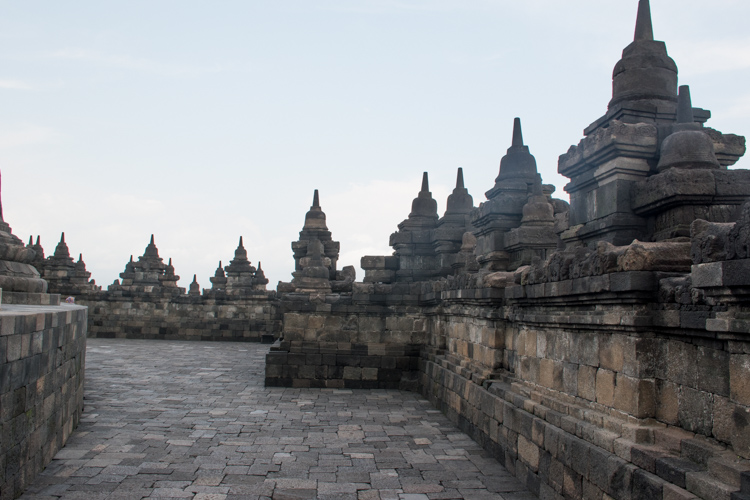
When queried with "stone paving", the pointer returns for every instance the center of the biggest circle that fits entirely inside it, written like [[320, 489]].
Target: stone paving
[[193, 420]]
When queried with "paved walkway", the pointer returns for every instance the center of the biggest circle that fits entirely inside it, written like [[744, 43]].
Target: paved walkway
[[193, 420]]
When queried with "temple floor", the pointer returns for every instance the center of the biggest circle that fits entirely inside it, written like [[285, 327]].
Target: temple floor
[[194, 420]]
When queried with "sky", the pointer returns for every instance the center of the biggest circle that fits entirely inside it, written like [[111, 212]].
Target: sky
[[200, 122]]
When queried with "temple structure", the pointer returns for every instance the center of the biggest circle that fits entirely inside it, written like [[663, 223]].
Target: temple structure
[[146, 303], [599, 349]]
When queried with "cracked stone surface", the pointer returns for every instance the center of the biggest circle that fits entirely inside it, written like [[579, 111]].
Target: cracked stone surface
[[168, 419]]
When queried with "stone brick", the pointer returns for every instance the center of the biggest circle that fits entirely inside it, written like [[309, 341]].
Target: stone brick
[[635, 397], [529, 453], [667, 410], [646, 485], [572, 484], [551, 374], [672, 492], [587, 382], [696, 411], [741, 431], [739, 378], [570, 378], [605, 387], [611, 353]]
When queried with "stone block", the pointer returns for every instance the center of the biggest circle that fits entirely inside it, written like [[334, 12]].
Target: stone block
[[695, 411], [611, 354], [529, 369], [739, 378], [551, 374], [703, 485], [646, 485], [530, 340], [673, 492], [674, 469], [528, 452], [650, 358], [572, 484], [722, 419], [682, 358], [667, 410], [587, 382], [741, 431], [637, 397], [570, 378], [605, 387]]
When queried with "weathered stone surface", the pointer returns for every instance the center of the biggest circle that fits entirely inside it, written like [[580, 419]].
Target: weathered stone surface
[[42, 353]]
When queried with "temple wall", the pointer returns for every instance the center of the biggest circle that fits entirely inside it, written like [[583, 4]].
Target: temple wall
[[630, 401], [42, 353], [335, 341], [582, 388], [247, 318]]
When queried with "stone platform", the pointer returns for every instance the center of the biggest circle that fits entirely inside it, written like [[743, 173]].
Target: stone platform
[[193, 420]]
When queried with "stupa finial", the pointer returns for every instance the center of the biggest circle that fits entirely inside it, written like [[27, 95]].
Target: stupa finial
[[152, 239], [644, 29], [62, 237], [425, 183], [460, 178], [240, 245], [684, 106], [517, 134], [316, 200]]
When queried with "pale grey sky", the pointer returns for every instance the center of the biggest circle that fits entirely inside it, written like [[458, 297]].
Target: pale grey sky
[[203, 121]]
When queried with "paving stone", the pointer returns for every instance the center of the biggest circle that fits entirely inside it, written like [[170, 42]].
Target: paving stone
[[170, 419]]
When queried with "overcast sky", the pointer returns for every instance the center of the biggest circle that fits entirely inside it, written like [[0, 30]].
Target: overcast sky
[[202, 121]]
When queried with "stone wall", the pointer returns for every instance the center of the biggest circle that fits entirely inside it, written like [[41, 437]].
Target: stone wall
[[42, 353], [584, 387], [347, 340], [253, 317], [599, 391]]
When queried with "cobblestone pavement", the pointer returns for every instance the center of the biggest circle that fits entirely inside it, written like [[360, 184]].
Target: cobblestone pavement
[[193, 420]]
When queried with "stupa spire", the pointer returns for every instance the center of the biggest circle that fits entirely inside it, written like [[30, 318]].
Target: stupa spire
[[425, 183], [643, 27], [460, 178], [517, 134], [684, 105], [316, 200]]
